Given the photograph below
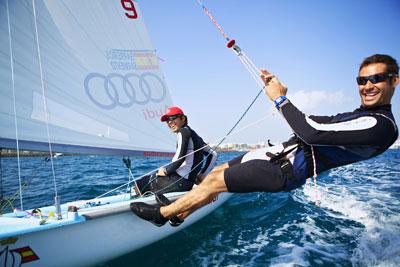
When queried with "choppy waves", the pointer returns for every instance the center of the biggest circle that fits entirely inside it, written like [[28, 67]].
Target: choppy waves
[[356, 224], [366, 193]]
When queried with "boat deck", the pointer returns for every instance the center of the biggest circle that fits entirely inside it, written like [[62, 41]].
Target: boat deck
[[23, 222]]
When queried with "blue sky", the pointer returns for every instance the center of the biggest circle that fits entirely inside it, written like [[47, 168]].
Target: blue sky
[[314, 47]]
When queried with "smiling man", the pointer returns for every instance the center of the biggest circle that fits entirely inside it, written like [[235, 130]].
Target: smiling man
[[377, 82], [320, 143]]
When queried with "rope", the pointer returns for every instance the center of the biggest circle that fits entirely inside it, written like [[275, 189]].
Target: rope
[[15, 108], [150, 172], [246, 61], [9, 202], [213, 149], [11, 199], [317, 201], [213, 20]]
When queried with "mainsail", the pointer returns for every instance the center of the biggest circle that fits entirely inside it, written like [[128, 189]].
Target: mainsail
[[82, 76], [78, 77]]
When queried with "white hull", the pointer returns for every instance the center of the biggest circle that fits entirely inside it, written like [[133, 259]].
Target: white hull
[[92, 241]]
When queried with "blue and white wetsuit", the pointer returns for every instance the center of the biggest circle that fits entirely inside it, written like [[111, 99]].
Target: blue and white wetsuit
[[336, 141], [186, 163]]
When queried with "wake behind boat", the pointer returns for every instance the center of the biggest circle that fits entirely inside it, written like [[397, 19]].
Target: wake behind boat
[[83, 78]]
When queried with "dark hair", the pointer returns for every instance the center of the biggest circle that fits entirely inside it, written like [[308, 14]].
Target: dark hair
[[391, 64], [186, 120]]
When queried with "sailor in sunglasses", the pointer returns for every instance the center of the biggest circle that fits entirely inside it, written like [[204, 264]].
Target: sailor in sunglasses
[[192, 161], [319, 143]]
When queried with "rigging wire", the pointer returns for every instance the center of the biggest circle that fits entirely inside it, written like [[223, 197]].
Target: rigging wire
[[213, 148], [15, 106], [231, 44], [57, 203], [44, 98]]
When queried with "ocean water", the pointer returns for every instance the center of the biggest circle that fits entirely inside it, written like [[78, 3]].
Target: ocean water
[[351, 219]]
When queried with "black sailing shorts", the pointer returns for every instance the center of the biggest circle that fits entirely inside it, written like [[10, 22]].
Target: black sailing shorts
[[256, 175]]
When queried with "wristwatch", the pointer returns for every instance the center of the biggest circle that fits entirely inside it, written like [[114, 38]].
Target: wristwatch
[[279, 100]]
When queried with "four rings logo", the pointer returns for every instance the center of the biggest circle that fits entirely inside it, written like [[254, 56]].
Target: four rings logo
[[114, 89]]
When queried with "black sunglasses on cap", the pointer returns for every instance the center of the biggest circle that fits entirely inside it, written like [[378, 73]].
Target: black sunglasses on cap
[[376, 78], [173, 117]]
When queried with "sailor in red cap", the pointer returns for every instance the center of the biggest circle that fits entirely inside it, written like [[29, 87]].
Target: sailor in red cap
[[192, 161], [172, 112]]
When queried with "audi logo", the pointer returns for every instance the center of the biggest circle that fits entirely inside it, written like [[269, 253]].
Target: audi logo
[[114, 89]]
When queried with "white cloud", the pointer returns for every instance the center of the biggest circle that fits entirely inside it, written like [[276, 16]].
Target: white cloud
[[321, 102]]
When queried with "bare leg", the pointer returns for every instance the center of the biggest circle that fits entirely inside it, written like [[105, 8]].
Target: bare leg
[[199, 196], [223, 166], [185, 214]]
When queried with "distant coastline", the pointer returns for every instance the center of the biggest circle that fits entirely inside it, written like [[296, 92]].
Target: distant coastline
[[13, 153], [225, 148]]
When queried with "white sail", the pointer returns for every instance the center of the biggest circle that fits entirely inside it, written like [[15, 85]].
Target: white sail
[[83, 77], [88, 80]]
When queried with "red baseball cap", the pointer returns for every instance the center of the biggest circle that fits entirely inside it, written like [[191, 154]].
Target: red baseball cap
[[171, 111]]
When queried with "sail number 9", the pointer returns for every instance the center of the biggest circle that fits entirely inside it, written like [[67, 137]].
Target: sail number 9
[[130, 8]]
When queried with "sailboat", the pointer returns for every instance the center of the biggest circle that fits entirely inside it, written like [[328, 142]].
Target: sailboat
[[80, 77]]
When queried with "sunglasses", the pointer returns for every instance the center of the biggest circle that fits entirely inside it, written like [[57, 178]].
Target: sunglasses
[[171, 118], [376, 78]]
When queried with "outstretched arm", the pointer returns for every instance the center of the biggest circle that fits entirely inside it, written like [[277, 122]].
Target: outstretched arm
[[342, 129]]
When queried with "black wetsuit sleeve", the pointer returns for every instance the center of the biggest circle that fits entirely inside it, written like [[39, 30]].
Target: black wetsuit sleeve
[[353, 128], [183, 138], [321, 119]]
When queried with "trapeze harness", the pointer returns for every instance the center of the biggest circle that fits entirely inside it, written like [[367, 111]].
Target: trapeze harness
[[332, 141]]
